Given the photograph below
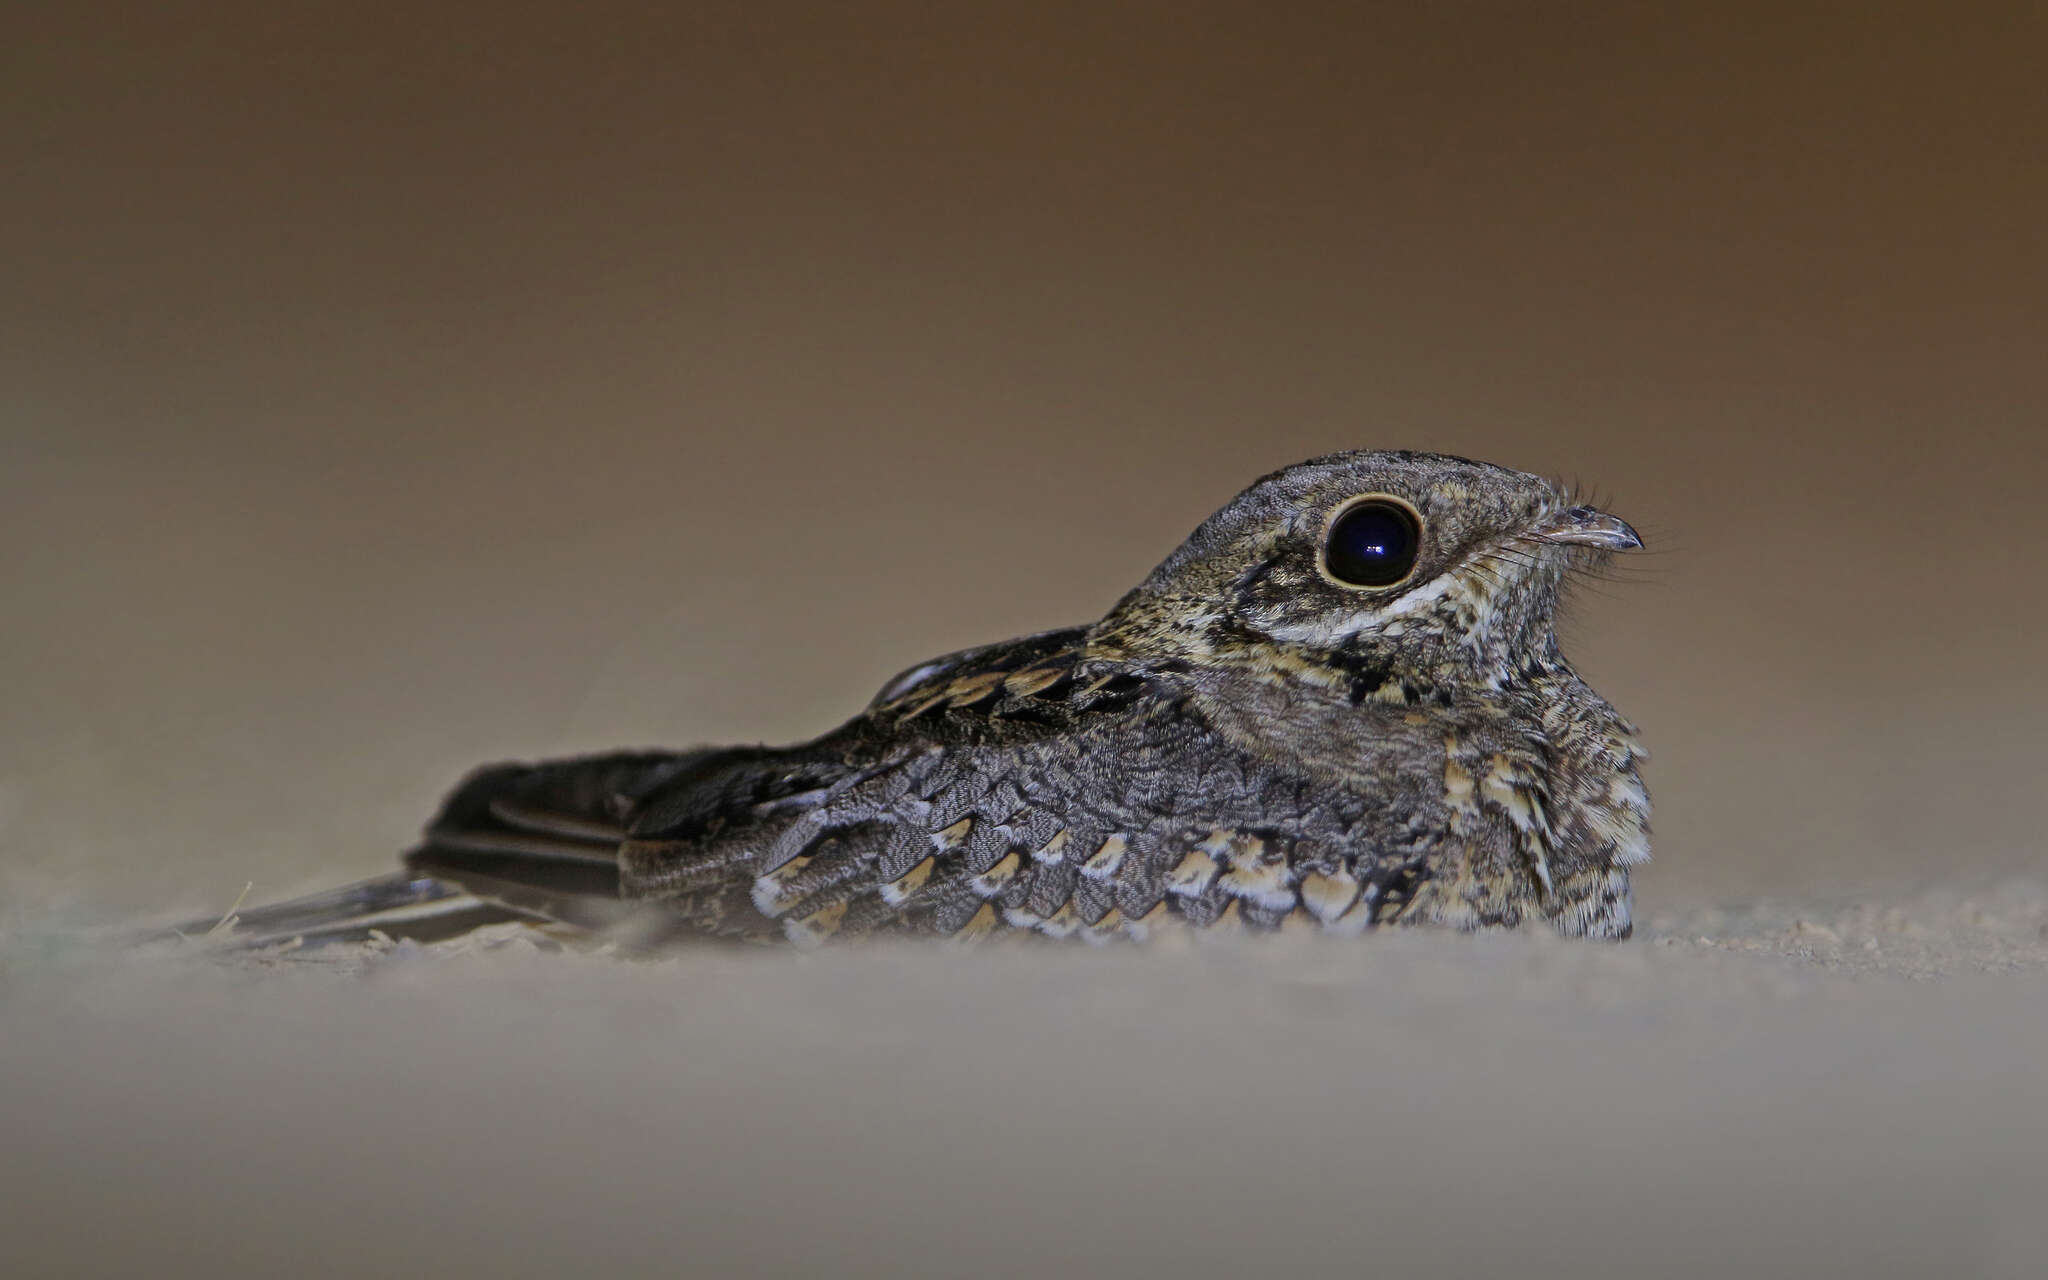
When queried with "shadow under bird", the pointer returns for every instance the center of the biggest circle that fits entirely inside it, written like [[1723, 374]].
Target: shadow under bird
[[1339, 704]]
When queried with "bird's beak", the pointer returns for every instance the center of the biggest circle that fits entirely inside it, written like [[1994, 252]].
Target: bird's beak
[[1590, 527]]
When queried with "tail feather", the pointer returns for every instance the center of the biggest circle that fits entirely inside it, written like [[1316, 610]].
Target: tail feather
[[401, 905], [544, 839], [513, 842]]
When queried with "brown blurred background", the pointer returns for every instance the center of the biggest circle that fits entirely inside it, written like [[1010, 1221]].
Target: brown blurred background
[[390, 388]]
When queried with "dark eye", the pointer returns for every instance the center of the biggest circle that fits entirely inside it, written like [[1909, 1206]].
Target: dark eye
[[1373, 544]]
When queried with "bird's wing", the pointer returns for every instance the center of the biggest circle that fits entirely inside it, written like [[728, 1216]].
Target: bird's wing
[[1026, 785]]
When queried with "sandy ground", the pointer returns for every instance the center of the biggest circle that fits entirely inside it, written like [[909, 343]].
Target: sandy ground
[[394, 388], [1854, 1089]]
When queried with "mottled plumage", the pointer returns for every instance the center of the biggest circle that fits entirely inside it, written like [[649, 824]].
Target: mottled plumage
[[1247, 736]]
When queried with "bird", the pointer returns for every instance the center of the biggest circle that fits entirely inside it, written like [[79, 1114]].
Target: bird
[[1339, 705]]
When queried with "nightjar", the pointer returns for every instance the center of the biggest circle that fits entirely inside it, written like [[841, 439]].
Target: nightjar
[[1339, 704]]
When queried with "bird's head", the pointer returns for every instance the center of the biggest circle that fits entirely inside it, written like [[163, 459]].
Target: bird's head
[[1411, 562]]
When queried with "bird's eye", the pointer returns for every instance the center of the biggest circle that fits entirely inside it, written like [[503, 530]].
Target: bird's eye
[[1373, 544]]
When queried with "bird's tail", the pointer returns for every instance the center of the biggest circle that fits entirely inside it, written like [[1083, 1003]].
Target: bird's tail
[[534, 843], [403, 905]]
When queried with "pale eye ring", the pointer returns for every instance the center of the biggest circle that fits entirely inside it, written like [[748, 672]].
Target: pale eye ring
[[1372, 542]]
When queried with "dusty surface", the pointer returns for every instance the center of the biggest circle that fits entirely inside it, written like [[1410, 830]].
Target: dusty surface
[[391, 389], [1855, 1090]]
